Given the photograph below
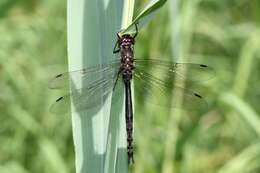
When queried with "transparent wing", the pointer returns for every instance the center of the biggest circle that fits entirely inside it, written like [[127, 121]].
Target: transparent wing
[[95, 90], [86, 74], [158, 92], [181, 71], [85, 98]]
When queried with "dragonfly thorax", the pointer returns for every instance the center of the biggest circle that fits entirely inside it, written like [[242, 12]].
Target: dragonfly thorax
[[126, 41], [126, 45]]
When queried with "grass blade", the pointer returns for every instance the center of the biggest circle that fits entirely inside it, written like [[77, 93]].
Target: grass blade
[[146, 15], [98, 135]]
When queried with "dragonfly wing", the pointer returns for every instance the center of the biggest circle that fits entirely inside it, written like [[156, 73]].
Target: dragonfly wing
[[156, 92], [181, 71], [88, 97], [86, 74]]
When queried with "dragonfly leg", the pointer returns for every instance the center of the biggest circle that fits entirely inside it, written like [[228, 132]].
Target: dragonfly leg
[[117, 76], [136, 29], [116, 50]]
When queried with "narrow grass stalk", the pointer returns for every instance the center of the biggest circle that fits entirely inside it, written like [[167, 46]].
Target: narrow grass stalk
[[246, 64], [241, 85], [173, 123], [245, 110], [182, 22], [244, 161]]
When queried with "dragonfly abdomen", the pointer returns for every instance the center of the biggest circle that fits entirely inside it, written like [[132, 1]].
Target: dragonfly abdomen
[[126, 47]]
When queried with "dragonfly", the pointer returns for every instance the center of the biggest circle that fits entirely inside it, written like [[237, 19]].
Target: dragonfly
[[117, 76]]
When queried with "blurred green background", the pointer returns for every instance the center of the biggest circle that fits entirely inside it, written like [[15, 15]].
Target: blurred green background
[[223, 139]]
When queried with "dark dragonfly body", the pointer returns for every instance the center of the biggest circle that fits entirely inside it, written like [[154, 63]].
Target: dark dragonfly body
[[126, 48]]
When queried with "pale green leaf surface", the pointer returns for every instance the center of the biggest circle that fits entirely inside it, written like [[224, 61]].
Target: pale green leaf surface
[[92, 28]]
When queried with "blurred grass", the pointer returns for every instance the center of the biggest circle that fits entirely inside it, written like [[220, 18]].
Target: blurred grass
[[224, 138]]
